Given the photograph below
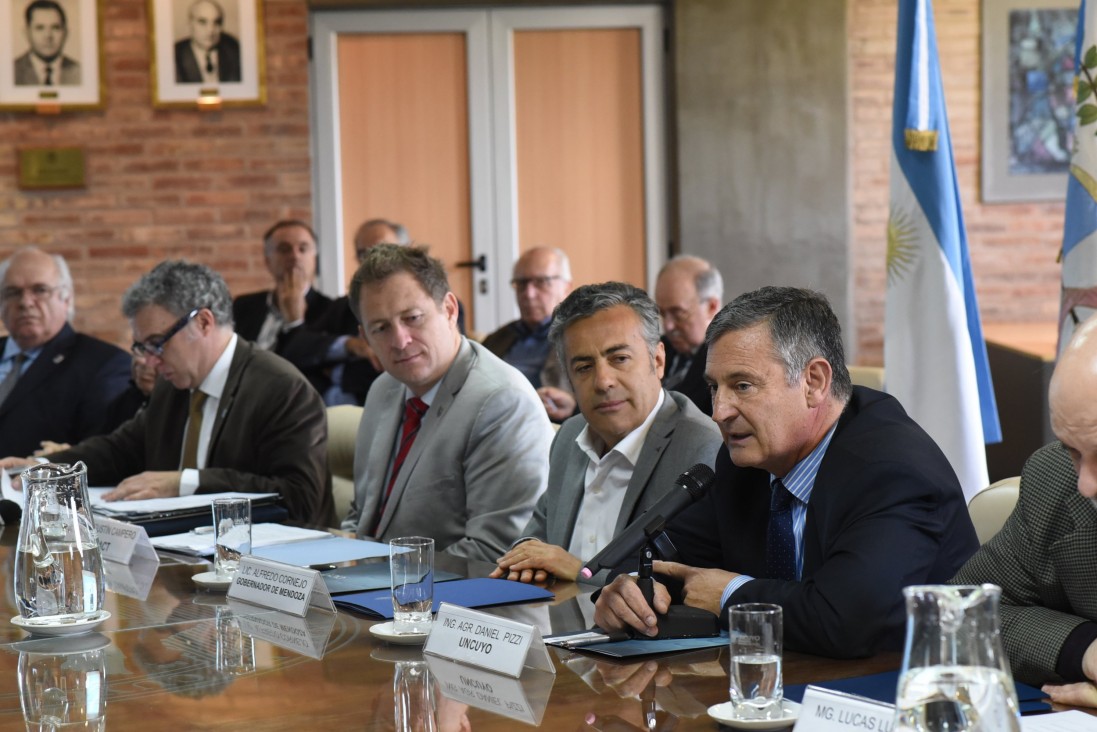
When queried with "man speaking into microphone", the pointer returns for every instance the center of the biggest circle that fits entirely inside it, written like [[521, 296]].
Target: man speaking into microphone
[[828, 498], [627, 446]]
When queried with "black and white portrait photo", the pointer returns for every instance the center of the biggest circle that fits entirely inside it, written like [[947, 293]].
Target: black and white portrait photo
[[52, 52], [207, 48]]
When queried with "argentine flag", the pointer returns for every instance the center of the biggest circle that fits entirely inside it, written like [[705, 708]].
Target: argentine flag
[[1079, 299], [934, 355]]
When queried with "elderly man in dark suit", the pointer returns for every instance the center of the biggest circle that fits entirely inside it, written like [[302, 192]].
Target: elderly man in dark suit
[[210, 54], [1043, 557], [828, 498], [224, 417], [630, 442], [55, 384], [45, 64]]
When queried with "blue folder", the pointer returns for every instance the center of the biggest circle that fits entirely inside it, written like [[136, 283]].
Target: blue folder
[[479, 592], [882, 687]]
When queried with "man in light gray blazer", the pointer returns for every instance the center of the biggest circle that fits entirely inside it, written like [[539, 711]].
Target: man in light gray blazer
[[453, 442], [627, 446]]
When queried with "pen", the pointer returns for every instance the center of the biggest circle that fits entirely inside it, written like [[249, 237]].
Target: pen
[[588, 639]]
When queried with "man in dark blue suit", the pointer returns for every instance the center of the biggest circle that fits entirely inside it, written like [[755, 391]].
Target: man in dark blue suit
[[828, 499], [55, 383]]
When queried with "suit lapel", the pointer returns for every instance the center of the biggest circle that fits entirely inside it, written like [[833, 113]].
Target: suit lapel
[[652, 451], [429, 429], [237, 368], [561, 524], [49, 360], [390, 404]]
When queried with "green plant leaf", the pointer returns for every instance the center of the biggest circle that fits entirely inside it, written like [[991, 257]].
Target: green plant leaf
[[1090, 60], [1087, 114], [1084, 92]]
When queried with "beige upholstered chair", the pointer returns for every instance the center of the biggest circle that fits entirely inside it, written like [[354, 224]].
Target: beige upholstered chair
[[342, 430], [870, 376], [990, 507]]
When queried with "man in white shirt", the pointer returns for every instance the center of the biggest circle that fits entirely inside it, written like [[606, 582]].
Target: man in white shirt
[[45, 63], [225, 415], [627, 446]]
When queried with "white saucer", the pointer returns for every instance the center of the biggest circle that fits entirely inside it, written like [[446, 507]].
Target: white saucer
[[52, 628], [212, 581], [62, 646], [384, 632], [725, 714]]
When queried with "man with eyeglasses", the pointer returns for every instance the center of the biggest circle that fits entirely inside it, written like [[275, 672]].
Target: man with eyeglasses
[[55, 383], [541, 280], [225, 416], [689, 292]]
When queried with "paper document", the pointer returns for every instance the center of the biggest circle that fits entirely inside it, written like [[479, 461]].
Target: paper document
[[7, 491], [161, 505], [332, 550], [201, 544], [1072, 721]]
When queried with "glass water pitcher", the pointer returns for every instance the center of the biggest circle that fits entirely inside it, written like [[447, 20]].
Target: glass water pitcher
[[58, 567], [955, 675]]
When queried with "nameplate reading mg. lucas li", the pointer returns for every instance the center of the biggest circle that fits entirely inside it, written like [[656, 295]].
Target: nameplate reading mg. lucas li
[[123, 542], [824, 710], [478, 639], [279, 586]]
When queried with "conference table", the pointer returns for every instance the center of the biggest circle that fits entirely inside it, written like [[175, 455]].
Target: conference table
[[176, 657]]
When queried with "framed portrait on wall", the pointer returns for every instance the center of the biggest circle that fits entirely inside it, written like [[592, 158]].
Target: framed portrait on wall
[[1028, 98], [204, 49], [50, 55]]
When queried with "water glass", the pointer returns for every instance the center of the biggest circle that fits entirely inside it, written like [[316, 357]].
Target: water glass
[[64, 690], [232, 529], [411, 560], [413, 697], [756, 638]]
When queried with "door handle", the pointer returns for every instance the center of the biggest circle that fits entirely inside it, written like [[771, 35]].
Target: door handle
[[480, 263]]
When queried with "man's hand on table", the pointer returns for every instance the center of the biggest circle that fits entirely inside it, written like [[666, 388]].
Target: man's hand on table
[[701, 588], [149, 484], [536, 561], [621, 605]]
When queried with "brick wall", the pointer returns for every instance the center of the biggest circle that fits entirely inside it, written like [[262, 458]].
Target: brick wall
[[205, 185], [1013, 246], [165, 183]]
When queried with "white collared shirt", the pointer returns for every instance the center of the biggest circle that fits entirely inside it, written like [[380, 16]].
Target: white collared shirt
[[605, 484], [208, 77], [40, 66], [213, 386], [274, 324]]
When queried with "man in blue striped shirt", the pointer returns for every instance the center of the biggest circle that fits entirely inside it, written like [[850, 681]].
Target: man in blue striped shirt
[[828, 498]]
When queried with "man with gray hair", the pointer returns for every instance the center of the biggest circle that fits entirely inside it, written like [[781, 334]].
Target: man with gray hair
[[828, 498], [454, 444], [225, 416], [55, 384], [689, 291], [630, 442], [541, 279]]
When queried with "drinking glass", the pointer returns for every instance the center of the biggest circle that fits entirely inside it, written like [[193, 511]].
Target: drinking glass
[[413, 697], [756, 638], [232, 528], [66, 689], [411, 560]]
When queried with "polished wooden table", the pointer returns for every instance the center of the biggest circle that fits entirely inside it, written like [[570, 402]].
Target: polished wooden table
[[183, 659]]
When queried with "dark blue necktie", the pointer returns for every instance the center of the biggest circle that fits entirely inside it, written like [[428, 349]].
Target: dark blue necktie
[[780, 541]]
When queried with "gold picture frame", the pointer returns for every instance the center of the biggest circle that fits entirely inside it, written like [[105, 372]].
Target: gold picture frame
[[54, 62], [207, 53]]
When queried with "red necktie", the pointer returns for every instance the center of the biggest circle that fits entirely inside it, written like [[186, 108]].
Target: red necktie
[[414, 409]]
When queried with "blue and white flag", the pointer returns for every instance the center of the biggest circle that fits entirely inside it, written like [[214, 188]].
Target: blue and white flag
[[934, 356], [1079, 298]]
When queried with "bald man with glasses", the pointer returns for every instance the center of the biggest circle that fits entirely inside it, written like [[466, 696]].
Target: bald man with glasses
[[226, 416], [55, 384]]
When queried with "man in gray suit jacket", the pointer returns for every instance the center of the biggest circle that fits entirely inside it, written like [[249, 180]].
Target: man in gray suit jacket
[[454, 442], [1043, 557], [45, 63], [624, 450]]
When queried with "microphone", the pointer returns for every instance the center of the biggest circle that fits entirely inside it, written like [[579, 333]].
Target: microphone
[[689, 488]]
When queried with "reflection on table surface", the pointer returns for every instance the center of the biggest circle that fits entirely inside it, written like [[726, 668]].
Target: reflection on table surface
[[186, 659]]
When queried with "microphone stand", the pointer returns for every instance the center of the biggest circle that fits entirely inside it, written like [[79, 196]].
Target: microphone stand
[[680, 621]]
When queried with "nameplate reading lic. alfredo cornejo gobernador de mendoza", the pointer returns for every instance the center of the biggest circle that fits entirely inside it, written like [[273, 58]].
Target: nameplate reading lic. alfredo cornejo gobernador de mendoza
[[279, 586]]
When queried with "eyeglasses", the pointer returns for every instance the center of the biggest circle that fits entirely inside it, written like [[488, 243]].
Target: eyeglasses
[[38, 292], [155, 346], [541, 283]]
